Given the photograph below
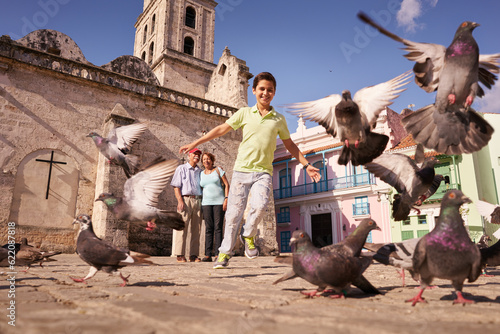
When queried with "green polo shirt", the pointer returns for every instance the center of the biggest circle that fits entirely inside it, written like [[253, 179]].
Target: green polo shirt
[[256, 151]]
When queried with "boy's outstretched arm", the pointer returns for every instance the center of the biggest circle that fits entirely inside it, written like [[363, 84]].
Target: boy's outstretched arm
[[216, 132], [313, 172]]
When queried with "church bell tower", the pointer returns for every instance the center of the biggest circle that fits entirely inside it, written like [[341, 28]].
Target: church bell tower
[[176, 38]]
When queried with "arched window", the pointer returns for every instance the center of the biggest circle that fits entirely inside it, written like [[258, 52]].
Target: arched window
[[190, 17], [153, 23], [151, 49], [145, 36], [189, 46], [143, 57]]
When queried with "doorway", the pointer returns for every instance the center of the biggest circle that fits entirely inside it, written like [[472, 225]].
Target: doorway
[[321, 229]]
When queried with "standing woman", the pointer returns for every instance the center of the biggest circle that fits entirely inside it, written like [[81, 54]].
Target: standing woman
[[214, 203]]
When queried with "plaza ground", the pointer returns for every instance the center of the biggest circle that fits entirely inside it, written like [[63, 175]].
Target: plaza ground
[[176, 297]]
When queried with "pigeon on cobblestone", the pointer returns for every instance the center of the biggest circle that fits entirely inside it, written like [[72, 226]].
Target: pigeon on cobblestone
[[116, 147], [413, 183], [396, 254], [140, 197], [449, 125], [353, 119], [26, 255], [334, 266], [101, 255], [447, 251]]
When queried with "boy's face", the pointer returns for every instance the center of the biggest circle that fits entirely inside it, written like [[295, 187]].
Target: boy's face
[[264, 92]]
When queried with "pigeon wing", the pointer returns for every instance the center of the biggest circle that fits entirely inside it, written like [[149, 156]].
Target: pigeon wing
[[125, 136], [145, 187], [490, 212], [429, 57], [488, 65], [321, 111], [372, 100], [97, 252], [397, 170]]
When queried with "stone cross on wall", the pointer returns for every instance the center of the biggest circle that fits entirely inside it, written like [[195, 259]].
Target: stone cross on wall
[[51, 161]]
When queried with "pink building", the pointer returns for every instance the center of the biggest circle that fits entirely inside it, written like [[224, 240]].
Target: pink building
[[331, 209]]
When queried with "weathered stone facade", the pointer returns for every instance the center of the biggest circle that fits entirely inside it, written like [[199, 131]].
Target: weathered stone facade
[[51, 97], [48, 103]]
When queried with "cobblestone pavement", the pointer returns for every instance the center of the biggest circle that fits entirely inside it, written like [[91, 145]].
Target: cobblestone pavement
[[194, 298]]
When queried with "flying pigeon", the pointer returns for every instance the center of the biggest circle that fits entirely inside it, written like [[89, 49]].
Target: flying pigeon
[[447, 251], [101, 255], [449, 125], [116, 147], [140, 197], [414, 184], [396, 254], [335, 266], [352, 119], [491, 212]]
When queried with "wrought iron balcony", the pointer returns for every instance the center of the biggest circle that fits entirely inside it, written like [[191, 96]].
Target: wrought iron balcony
[[325, 185]]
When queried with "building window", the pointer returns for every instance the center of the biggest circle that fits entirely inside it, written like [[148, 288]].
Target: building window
[[189, 46], [151, 49], [422, 219], [361, 206], [285, 189], [145, 35], [190, 17], [322, 185], [406, 222], [143, 57], [405, 235], [284, 215], [153, 23], [285, 237]]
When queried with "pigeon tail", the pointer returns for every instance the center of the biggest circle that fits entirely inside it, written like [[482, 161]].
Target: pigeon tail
[[453, 131], [170, 219], [364, 285], [401, 207], [131, 165], [372, 147]]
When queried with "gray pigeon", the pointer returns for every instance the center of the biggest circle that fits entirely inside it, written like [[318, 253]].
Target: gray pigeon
[[140, 197], [351, 120], [335, 266], [396, 254], [116, 147], [414, 184], [101, 255], [4, 257], [449, 125], [447, 251]]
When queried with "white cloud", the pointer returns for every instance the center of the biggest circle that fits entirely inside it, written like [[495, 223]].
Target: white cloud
[[490, 102], [410, 11]]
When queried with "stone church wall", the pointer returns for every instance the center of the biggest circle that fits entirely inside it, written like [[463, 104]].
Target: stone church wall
[[49, 104]]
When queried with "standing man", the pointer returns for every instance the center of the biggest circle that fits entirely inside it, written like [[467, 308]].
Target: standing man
[[186, 183]]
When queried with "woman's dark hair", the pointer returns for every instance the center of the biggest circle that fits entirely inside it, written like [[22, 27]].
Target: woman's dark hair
[[210, 155], [264, 76]]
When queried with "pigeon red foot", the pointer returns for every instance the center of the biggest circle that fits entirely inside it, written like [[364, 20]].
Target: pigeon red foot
[[417, 299], [461, 300]]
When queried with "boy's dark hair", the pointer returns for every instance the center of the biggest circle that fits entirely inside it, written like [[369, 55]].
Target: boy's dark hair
[[264, 76]]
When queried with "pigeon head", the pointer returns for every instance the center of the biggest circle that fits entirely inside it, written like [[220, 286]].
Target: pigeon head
[[299, 239], [93, 134], [430, 162], [367, 225], [107, 198], [466, 26], [346, 95], [84, 221], [454, 198]]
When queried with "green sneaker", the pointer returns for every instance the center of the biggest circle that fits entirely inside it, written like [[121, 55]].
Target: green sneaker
[[222, 261], [250, 250]]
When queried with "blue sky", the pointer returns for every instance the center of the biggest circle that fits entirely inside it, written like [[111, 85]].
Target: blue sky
[[314, 48]]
